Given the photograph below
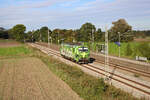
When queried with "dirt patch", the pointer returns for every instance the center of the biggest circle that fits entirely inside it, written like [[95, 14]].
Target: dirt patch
[[9, 44], [141, 39], [30, 79]]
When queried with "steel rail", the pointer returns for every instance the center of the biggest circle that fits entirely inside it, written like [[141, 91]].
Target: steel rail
[[128, 69]]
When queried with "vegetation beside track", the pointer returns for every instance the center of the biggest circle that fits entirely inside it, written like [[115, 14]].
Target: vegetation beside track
[[127, 49]]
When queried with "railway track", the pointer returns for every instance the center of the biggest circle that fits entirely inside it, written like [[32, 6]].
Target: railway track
[[121, 67], [128, 69], [137, 87], [130, 64]]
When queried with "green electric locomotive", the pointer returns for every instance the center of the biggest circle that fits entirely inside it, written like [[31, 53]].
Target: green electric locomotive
[[76, 52]]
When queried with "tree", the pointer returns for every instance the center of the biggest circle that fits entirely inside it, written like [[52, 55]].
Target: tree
[[56, 35], [29, 36], [10, 33], [36, 35], [69, 34], [44, 33], [98, 35], [18, 32], [141, 34], [87, 32], [4, 33], [123, 28], [77, 35]]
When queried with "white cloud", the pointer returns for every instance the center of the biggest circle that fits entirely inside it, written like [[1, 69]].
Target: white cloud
[[98, 12]]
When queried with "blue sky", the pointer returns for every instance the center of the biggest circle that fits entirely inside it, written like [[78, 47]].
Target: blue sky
[[71, 14]]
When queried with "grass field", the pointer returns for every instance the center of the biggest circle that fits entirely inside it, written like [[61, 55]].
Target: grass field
[[14, 51], [11, 48], [114, 49]]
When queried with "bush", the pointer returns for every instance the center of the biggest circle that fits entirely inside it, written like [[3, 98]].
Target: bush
[[100, 87], [128, 51], [144, 50]]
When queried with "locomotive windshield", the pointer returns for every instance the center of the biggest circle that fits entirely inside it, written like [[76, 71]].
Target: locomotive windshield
[[83, 49]]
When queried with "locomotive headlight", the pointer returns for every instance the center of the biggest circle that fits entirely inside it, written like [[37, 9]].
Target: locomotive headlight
[[83, 54]]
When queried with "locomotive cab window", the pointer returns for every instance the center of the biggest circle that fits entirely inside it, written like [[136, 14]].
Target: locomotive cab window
[[83, 49]]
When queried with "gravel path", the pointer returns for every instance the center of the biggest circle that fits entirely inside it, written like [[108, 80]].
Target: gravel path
[[30, 79]]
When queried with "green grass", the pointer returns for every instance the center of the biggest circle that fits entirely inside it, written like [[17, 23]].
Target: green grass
[[114, 49], [14, 51]]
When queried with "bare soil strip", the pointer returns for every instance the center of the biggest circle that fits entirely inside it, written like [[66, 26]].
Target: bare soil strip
[[9, 44], [30, 79]]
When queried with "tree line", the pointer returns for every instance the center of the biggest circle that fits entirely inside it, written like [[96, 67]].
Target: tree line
[[86, 33]]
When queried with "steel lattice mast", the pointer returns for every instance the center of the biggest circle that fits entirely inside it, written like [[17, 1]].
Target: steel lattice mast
[[106, 54]]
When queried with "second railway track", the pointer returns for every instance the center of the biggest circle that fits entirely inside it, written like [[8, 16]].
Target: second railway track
[[128, 69]]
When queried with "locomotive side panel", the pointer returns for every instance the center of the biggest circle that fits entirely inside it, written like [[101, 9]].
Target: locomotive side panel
[[78, 53]]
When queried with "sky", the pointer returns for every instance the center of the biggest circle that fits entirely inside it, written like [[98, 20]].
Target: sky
[[71, 14]]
